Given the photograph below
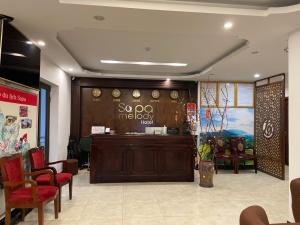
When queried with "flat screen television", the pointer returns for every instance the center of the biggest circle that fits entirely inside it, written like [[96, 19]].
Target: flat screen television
[[20, 59]]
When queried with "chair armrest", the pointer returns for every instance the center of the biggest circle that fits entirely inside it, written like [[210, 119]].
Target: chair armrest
[[32, 183], [56, 162], [44, 171]]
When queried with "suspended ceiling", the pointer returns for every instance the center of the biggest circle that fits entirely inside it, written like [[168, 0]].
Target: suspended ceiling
[[150, 32]]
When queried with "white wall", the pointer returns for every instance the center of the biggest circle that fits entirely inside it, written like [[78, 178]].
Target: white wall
[[294, 109], [60, 108]]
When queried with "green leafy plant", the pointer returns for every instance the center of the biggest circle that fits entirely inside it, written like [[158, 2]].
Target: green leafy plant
[[205, 152]]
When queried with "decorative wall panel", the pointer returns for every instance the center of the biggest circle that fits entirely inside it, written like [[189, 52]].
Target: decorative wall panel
[[269, 129]]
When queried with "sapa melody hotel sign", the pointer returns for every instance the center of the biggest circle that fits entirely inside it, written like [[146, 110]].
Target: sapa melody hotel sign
[[143, 113]]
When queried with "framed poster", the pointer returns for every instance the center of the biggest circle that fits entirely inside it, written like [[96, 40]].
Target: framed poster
[[18, 118]]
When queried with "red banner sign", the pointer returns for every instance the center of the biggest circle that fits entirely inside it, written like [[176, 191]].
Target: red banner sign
[[16, 96]]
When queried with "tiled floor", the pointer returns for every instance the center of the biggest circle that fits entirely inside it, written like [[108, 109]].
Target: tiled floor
[[169, 203]]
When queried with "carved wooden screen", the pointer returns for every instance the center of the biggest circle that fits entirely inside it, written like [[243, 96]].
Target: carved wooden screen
[[269, 128]]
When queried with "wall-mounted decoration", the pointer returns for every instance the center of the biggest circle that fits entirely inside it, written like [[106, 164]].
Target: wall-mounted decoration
[[116, 93], [96, 92], [208, 94], [23, 111], [136, 93], [16, 102], [245, 95], [229, 94], [155, 94], [226, 94], [174, 94]]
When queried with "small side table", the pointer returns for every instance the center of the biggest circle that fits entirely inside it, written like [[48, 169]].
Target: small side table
[[71, 166]]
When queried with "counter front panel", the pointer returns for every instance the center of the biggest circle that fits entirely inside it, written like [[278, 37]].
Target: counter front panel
[[117, 158]]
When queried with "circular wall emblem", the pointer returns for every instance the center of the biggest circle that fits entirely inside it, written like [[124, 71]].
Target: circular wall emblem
[[174, 94], [116, 93], [96, 92], [155, 94], [136, 93], [268, 129]]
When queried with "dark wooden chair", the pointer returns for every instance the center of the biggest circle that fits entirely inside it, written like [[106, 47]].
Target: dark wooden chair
[[238, 146], [37, 161], [220, 153], [19, 195], [295, 193], [256, 215]]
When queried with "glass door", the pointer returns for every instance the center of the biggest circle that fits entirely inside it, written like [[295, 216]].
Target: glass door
[[44, 118]]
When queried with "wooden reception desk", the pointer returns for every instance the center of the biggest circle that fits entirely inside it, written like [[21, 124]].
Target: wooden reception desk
[[141, 158]]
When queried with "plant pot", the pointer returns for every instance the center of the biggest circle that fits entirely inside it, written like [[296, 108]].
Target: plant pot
[[206, 172]]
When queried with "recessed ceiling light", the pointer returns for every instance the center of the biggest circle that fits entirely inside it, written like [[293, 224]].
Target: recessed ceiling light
[[254, 52], [168, 79], [257, 75], [41, 43], [99, 18], [71, 69], [143, 63], [228, 25], [29, 42]]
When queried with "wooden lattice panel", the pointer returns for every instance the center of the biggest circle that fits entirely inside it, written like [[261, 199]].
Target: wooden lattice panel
[[269, 129]]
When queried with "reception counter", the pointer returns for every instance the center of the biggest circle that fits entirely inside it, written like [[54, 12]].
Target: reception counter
[[141, 158]]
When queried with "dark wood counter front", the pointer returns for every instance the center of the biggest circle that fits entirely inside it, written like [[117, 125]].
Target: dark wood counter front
[[130, 158]]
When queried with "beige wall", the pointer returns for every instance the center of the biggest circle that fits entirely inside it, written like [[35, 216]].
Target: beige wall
[[294, 109]]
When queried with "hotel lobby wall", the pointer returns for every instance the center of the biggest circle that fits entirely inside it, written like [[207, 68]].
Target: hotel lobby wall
[[60, 108], [294, 108], [104, 110]]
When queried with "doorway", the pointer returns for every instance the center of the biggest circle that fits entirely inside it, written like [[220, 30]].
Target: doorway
[[44, 118]]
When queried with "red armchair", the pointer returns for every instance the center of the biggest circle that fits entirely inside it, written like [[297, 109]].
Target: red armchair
[[21, 193], [238, 149], [220, 154], [37, 160]]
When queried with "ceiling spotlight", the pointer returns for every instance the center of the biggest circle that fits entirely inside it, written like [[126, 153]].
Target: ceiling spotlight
[[228, 25], [29, 42], [257, 75], [71, 69], [168, 79], [99, 18], [41, 43], [254, 52]]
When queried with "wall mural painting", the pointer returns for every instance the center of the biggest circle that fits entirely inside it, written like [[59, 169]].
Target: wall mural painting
[[237, 122]]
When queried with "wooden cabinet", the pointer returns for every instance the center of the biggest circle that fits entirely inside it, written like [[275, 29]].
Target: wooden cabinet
[[122, 158]]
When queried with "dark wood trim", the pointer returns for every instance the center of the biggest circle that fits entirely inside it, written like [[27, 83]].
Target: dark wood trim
[[282, 120], [142, 158], [79, 83]]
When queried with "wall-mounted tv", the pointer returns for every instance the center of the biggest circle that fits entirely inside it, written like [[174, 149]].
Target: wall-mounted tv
[[20, 59]]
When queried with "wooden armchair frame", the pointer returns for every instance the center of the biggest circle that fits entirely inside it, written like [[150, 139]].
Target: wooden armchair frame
[[11, 186]]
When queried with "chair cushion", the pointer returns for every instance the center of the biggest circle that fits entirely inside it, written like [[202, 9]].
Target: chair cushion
[[60, 178], [13, 169], [38, 159], [24, 195]]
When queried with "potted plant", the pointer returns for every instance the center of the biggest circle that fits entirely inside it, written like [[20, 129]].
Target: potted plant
[[213, 125]]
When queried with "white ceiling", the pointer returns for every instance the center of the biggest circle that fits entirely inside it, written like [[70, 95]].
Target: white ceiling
[[76, 40]]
